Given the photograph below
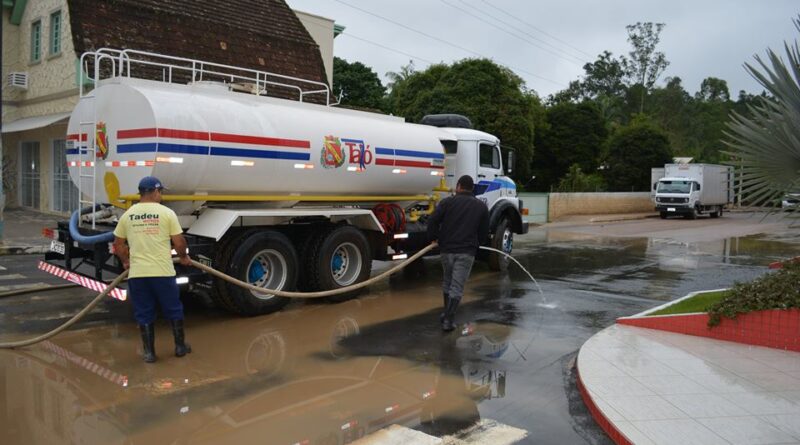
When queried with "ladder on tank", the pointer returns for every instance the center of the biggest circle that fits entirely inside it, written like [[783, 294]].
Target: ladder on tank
[[87, 166]]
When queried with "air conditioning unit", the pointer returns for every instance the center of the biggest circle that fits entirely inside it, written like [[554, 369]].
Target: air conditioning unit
[[18, 80]]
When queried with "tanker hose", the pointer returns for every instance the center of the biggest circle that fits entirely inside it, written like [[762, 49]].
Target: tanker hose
[[121, 277], [83, 239], [327, 293]]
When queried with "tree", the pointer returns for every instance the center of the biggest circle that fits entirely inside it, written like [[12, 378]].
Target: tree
[[766, 145], [575, 134], [491, 96], [713, 89], [576, 181], [632, 152], [397, 77], [359, 85], [645, 65], [604, 78]]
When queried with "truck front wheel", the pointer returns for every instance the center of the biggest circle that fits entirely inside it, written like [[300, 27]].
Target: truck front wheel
[[339, 259], [503, 240], [264, 259]]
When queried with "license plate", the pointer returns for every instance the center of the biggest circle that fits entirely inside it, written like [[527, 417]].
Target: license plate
[[670, 209], [57, 246]]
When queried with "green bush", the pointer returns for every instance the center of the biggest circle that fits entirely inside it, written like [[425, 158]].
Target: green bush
[[778, 290]]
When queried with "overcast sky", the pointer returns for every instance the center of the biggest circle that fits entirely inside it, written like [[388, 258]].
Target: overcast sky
[[547, 42]]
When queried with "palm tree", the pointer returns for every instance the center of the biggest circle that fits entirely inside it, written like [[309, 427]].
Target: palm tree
[[766, 146]]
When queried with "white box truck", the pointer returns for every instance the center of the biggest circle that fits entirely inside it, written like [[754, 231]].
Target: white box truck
[[694, 189], [283, 194]]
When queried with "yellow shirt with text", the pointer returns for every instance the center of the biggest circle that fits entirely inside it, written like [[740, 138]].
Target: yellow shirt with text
[[148, 227]]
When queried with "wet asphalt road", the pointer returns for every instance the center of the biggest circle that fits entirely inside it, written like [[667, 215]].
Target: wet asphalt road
[[330, 373]]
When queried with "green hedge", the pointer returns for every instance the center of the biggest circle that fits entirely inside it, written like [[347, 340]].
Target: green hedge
[[777, 290]]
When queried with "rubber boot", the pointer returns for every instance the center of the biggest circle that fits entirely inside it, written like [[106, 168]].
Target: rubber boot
[[448, 323], [444, 306], [181, 347], [148, 332]]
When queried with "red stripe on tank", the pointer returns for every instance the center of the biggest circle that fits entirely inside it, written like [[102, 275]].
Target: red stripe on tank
[[137, 133], [259, 140]]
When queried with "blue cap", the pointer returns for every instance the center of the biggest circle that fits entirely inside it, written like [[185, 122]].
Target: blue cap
[[150, 183]]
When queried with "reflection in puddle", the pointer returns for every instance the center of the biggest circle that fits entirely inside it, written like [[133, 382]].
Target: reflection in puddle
[[293, 377]]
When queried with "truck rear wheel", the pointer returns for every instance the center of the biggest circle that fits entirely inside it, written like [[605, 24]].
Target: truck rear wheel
[[338, 259], [265, 259], [503, 240]]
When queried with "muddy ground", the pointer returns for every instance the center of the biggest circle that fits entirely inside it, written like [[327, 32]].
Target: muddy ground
[[322, 373]]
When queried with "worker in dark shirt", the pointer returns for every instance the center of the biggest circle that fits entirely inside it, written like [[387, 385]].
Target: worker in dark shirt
[[460, 224]]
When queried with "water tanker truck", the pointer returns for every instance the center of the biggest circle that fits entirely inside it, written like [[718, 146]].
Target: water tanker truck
[[283, 193]]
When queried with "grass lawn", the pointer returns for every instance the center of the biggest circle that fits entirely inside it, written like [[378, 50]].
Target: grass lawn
[[698, 303]]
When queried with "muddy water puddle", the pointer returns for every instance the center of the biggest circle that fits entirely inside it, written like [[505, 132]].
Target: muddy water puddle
[[299, 376]]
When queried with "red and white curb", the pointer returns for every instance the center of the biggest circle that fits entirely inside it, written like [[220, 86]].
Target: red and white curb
[[80, 280]]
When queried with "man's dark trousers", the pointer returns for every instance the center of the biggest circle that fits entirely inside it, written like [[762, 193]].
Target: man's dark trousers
[[146, 291], [456, 271]]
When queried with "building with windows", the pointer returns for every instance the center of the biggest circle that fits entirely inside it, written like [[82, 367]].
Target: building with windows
[[43, 41]]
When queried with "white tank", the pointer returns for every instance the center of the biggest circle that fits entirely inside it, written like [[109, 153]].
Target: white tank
[[202, 138]]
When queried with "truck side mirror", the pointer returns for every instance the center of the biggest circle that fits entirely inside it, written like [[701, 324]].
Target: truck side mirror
[[509, 162], [697, 185]]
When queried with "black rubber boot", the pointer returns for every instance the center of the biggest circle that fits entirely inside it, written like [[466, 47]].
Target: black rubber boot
[[448, 323], [181, 347], [148, 332], [444, 306]]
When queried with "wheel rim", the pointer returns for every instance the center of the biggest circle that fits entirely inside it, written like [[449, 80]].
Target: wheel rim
[[346, 264], [267, 269], [508, 241]]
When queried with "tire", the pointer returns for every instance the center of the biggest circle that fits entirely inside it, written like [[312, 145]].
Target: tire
[[340, 257], [716, 213], [307, 245], [663, 215], [265, 259], [692, 214], [502, 239], [224, 251]]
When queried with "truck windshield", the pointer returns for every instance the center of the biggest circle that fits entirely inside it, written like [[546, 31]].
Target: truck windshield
[[674, 186]]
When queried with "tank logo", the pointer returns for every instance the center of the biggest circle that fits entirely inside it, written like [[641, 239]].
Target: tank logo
[[332, 155], [360, 154], [101, 140]]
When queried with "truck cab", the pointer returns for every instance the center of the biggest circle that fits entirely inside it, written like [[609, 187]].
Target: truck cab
[[478, 154], [676, 195]]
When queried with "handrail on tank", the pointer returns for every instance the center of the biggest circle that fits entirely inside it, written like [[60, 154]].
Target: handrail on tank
[[198, 69], [99, 55]]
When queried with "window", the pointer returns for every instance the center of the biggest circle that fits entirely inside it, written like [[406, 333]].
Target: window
[[450, 147], [55, 33], [36, 41], [65, 194], [29, 177], [489, 156]]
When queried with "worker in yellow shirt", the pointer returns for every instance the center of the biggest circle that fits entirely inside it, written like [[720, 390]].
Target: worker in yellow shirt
[[142, 242]]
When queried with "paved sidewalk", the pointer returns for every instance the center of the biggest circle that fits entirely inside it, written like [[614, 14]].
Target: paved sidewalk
[[22, 231], [657, 387]]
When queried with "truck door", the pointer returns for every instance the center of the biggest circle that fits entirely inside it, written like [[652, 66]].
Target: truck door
[[489, 165]]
